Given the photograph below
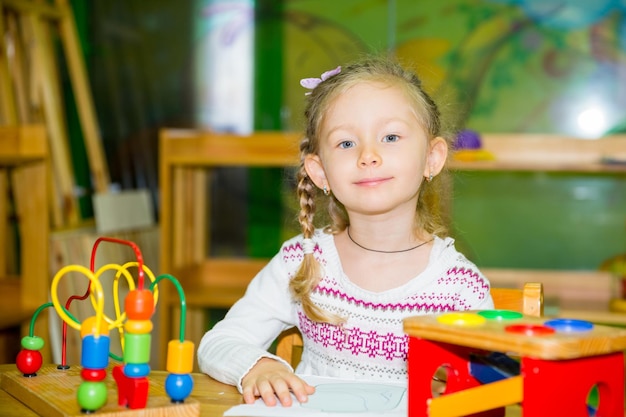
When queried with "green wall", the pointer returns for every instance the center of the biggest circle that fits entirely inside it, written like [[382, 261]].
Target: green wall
[[538, 220]]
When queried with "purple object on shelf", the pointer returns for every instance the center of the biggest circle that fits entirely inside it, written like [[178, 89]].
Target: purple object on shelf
[[467, 139]]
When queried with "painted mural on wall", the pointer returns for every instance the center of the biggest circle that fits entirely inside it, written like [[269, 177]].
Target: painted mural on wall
[[498, 65]]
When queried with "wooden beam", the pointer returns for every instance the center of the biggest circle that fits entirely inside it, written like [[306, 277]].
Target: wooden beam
[[31, 7], [4, 222], [8, 112], [84, 101], [46, 71]]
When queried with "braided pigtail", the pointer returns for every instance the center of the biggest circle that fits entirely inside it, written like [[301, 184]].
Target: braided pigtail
[[310, 271]]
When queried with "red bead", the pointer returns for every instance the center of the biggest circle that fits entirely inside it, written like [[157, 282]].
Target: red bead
[[29, 361], [93, 375], [139, 305]]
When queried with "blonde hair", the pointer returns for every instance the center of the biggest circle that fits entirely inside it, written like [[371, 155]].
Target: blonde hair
[[428, 215]]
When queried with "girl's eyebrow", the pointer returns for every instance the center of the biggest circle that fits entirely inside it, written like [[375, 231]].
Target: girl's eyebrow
[[343, 125], [348, 126], [340, 127]]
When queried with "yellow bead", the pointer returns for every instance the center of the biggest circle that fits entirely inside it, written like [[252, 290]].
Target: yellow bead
[[89, 326], [138, 326], [179, 357]]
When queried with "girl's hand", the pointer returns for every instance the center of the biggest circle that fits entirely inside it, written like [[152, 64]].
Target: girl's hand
[[269, 379]]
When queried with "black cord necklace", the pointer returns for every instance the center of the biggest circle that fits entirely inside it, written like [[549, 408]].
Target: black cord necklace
[[385, 251]]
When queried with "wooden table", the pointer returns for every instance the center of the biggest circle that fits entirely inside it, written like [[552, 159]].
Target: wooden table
[[214, 397]]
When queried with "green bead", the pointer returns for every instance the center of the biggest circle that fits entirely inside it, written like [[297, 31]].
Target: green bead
[[32, 342], [137, 347], [91, 395]]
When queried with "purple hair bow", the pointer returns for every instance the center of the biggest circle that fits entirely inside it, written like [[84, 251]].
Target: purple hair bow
[[311, 83]]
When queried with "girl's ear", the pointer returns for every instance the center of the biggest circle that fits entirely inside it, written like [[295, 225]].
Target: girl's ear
[[315, 170], [437, 156]]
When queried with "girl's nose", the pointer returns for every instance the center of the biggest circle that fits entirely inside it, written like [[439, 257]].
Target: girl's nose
[[369, 156]]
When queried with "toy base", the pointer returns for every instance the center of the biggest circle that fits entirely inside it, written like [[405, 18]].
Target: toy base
[[52, 393]]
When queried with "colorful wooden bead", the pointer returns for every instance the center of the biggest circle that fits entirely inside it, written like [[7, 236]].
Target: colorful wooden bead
[[29, 362], [178, 387], [93, 375], [91, 395], [137, 348], [179, 357], [95, 352], [32, 342], [138, 326], [139, 305], [90, 326], [136, 370]]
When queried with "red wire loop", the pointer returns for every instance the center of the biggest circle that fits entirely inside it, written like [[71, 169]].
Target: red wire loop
[[140, 282]]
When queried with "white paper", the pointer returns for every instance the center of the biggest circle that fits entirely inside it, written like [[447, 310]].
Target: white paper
[[336, 397]]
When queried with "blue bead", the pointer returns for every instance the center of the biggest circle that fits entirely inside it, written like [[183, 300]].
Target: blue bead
[[136, 370], [95, 352], [178, 386]]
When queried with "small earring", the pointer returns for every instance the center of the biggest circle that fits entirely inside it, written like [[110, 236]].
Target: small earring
[[430, 177], [326, 191]]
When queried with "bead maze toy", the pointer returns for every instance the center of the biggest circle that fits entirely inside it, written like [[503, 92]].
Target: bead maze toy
[[561, 363], [61, 391]]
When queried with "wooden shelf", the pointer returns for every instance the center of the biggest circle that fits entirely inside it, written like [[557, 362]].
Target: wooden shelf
[[16, 317], [23, 149], [187, 159], [22, 144], [549, 153], [220, 282], [12, 313], [191, 148]]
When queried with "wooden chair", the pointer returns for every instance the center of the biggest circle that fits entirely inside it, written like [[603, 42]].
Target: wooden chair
[[528, 301]]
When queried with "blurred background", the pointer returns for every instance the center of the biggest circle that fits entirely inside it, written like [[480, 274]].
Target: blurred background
[[494, 66]]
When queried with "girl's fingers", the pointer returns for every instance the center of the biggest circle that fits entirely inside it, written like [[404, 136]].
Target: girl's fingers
[[274, 383]]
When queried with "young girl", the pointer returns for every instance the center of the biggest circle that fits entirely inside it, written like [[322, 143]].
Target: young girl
[[370, 157]]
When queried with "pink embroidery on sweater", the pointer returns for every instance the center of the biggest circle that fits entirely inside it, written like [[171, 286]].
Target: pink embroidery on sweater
[[295, 253], [358, 342], [409, 306], [468, 277]]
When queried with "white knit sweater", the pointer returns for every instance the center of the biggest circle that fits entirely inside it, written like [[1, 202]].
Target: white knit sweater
[[370, 345]]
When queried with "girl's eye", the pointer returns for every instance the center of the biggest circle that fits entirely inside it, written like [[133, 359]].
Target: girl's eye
[[391, 138], [346, 144]]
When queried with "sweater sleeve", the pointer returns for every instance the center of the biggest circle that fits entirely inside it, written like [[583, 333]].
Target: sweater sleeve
[[231, 348], [484, 303], [473, 287]]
